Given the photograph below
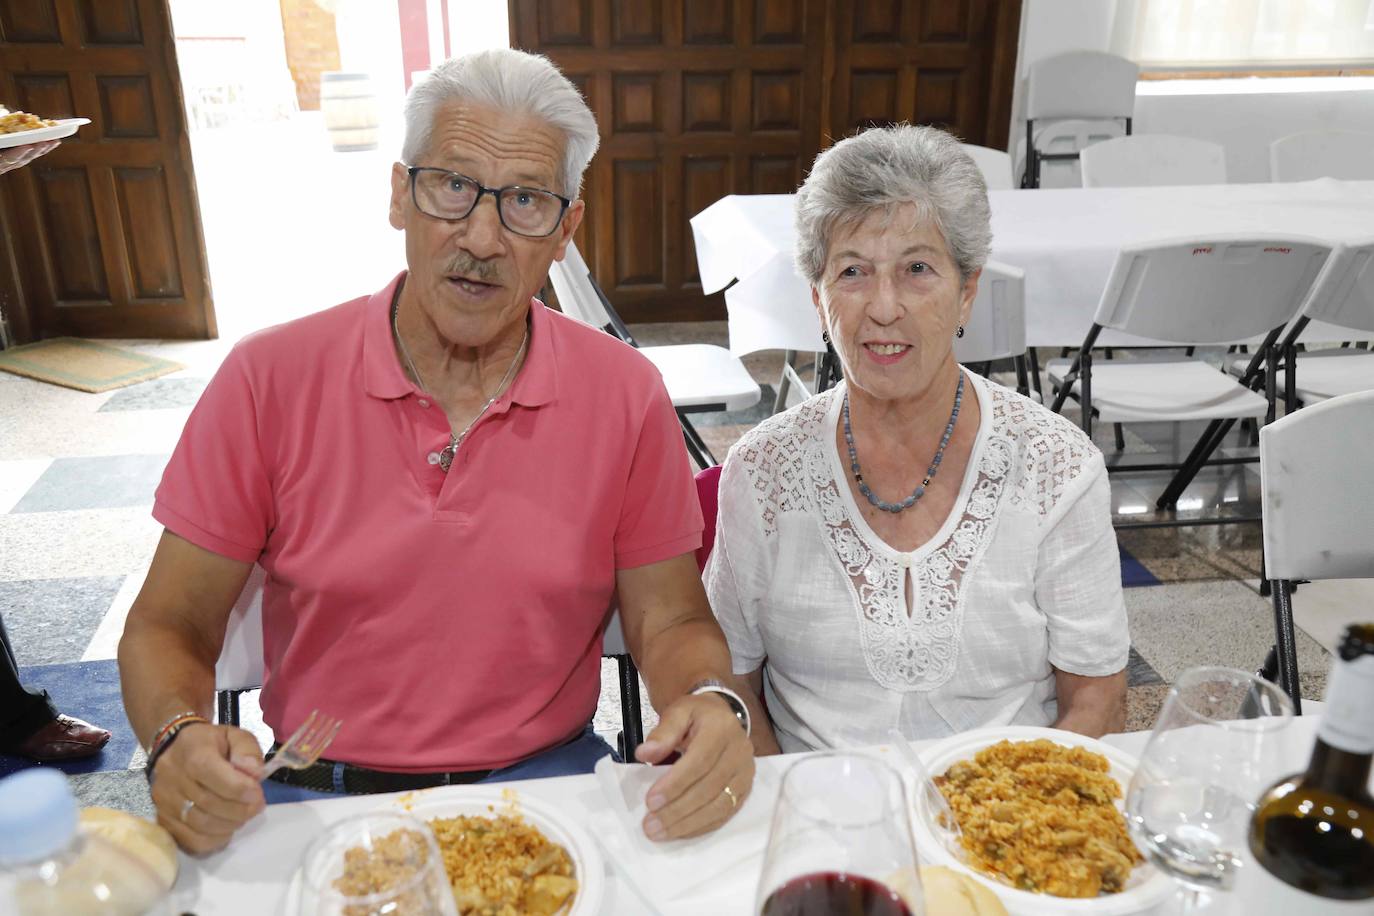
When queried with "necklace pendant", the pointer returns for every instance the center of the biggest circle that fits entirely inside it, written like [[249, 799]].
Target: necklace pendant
[[446, 457]]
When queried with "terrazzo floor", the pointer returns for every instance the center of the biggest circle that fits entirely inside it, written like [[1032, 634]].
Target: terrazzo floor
[[77, 473]]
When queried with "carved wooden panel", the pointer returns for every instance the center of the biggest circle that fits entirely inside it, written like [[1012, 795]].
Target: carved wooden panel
[[29, 21], [146, 213], [698, 99], [561, 23], [636, 22], [69, 217], [708, 22], [877, 20], [705, 180], [777, 22], [937, 98], [774, 174], [47, 93], [111, 22], [706, 102], [126, 106], [777, 101], [637, 102], [872, 99], [947, 20], [639, 225], [104, 231]]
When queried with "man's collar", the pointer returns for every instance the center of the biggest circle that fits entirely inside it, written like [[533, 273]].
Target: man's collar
[[383, 377]]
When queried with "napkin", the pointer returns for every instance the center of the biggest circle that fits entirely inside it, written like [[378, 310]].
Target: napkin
[[662, 872]]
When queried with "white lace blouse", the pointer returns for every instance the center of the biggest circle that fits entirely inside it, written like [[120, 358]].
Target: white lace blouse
[[1023, 575]]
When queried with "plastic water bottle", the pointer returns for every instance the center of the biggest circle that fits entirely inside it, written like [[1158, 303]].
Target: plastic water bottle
[[48, 867]]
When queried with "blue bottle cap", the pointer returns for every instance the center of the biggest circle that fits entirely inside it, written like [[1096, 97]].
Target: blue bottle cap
[[38, 815]]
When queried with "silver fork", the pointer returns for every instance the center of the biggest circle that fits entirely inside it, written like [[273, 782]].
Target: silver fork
[[306, 745]]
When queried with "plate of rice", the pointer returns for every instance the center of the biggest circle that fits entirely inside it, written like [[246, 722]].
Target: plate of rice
[[18, 128], [1041, 816]]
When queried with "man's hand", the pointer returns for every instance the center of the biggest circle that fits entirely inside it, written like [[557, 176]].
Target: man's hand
[[219, 768], [716, 755], [17, 156]]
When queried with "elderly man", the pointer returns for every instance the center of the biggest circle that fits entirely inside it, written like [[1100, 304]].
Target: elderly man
[[447, 485]]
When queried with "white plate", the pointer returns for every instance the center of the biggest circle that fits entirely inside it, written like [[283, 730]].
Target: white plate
[[1147, 888], [452, 801], [63, 128]]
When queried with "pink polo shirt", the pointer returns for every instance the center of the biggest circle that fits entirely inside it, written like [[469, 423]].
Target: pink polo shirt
[[453, 621]]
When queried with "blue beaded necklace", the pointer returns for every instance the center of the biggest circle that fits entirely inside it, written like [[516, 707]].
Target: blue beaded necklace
[[930, 472]]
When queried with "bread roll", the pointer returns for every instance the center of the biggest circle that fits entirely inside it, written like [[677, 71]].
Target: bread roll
[[144, 840], [949, 893]]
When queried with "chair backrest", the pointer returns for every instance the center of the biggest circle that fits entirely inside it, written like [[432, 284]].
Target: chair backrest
[[576, 296], [1209, 290], [1344, 154], [996, 327], [1317, 490], [240, 664], [1344, 295], [1145, 160], [1081, 84], [995, 165]]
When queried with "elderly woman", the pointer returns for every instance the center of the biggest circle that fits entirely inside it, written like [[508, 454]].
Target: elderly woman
[[915, 548]]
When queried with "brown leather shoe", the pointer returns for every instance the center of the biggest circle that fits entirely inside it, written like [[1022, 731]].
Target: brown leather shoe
[[64, 738]]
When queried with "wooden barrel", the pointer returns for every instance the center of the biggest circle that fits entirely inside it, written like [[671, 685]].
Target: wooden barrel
[[350, 110]]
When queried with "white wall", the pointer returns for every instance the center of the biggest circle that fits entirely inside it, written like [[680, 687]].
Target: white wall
[[1242, 115]]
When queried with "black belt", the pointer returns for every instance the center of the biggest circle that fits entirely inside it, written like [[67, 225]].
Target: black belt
[[357, 780]]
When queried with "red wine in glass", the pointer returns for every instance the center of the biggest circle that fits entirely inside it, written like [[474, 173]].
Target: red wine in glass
[[832, 894]]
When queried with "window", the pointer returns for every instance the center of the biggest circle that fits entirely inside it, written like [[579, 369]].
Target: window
[[1244, 33]]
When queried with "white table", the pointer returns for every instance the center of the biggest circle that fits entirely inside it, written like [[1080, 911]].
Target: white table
[[252, 875], [1064, 239]]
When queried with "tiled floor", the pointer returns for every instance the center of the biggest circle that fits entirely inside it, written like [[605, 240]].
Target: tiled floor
[[77, 473]]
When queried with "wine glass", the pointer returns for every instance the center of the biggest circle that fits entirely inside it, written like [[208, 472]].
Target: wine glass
[[840, 842], [375, 864], [1214, 749]]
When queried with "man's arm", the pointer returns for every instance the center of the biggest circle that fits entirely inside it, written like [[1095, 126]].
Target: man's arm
[[1091, 706], [167, 660], [677, 643]]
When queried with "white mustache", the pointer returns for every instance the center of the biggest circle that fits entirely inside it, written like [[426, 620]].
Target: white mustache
[[470, 267]]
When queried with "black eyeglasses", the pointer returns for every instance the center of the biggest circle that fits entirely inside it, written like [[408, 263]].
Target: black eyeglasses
[[531, 212]]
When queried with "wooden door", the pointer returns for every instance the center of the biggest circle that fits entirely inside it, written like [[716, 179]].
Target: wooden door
[[696, 99], [943, 62], [101, 237]]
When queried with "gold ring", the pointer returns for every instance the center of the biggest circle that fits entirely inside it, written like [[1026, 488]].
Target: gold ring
[[186, 807], [730, 794]]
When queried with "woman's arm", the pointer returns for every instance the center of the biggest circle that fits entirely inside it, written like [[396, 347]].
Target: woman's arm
[[1091, 706], [765, 742]]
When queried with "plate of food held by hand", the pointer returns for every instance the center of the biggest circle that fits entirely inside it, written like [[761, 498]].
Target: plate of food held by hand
[[18, 128]]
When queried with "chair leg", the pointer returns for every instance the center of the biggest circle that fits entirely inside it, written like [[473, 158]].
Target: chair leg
[[631, 720], [1085, 387], [1022, 376], [1120, 437], [789, 359], [1286, 642], [696, 446], [1034, 359], [1206, 444]]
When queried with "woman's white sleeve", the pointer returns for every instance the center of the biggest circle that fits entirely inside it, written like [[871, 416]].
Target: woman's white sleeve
[[734, 572], [1078, 580]]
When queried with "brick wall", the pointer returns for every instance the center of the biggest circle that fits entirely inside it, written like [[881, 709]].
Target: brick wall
[[312, 47]]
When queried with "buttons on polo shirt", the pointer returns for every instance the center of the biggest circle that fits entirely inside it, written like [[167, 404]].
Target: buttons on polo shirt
[[424, 402], [432, 457]]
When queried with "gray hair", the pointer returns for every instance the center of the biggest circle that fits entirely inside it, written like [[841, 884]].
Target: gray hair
[[881, 169], [510, 81]]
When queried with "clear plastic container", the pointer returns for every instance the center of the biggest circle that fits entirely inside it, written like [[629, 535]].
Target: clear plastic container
[[49, 868]]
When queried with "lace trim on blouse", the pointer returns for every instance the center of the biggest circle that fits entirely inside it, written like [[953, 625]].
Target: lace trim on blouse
[[1029, 456]]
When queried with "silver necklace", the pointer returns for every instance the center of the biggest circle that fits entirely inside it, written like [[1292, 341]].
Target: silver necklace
[[456, 439]]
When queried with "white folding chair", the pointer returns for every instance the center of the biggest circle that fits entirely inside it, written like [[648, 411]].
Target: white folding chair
[[240, 665], [995, 164], [996, 327], [1344, 154], [1183, 292], [1314, 470], [1081, 86], [699, 377], [1152, 160], [1345, 298]]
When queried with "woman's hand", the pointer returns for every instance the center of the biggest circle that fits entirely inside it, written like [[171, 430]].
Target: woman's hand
[[16, 156]]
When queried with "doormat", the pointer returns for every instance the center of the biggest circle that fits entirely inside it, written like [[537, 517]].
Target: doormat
[[85, 365]]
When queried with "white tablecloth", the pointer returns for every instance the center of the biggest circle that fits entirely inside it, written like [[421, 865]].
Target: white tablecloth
[[252, 875], [1064, 239]]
